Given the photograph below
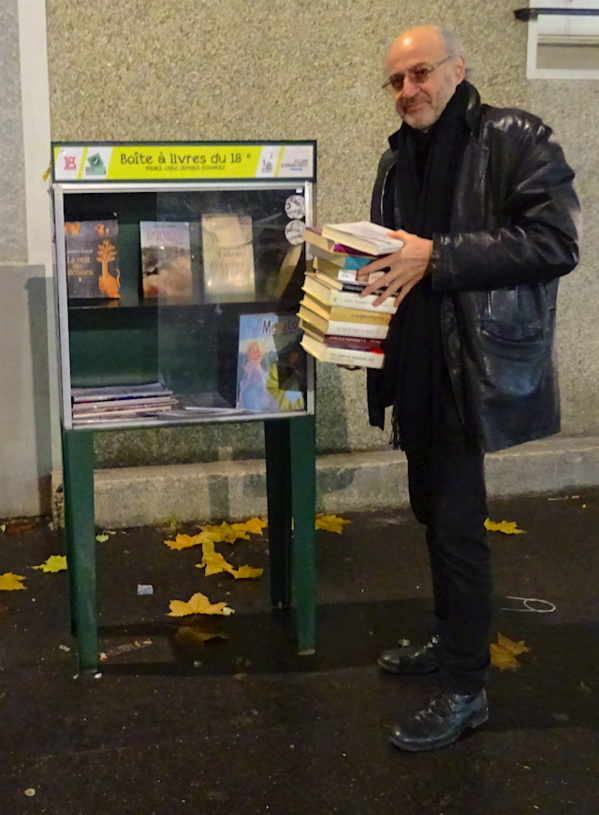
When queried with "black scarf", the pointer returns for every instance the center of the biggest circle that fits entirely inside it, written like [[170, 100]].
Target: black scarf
[[415, 378]]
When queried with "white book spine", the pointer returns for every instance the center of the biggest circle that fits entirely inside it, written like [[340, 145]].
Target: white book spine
[[343, 356], [343, 329], [348, 299]]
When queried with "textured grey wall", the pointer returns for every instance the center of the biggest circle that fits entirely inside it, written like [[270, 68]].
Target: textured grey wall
[[24, 415], [230, 70], [13, 234]]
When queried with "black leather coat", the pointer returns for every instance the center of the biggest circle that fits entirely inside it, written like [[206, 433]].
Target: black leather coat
[[514, 232]]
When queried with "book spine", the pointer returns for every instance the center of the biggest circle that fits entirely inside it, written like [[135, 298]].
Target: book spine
[[352, 343], [344, 356], [356, 287], [359, 244], [347, 299], [364, 359], [346, 329], [341, 328], [326, 260]]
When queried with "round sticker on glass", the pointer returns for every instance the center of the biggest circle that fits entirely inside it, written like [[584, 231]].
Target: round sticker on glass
[[294, 231], [295, 206]]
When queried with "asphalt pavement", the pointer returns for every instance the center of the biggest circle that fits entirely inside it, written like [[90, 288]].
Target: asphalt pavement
[[218, 715]]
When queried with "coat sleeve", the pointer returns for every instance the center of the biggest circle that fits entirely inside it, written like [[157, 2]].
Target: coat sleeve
[[533, 215]]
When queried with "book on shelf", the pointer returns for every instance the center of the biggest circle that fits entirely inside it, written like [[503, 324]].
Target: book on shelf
[[228, 256], [271, 370], [123, 401], [111, 392], [165, 259], [323, 325], [345, 314], [363, 236], [117, 411], [340, 340], [122, 404], [342, 356], [286, 270], [92, 259], [329, 292]]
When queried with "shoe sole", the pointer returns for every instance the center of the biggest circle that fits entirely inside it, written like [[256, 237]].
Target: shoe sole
[[479, 721], [398, 672]]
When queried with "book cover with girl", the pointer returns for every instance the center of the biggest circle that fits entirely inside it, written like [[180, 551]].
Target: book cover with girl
[[271, 372]]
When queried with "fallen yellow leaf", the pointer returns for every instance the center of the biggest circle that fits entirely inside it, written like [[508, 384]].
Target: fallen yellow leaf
[[256, 525], [197, 604], [215, 563], [507, 527], [515, 648], [186, 541], [225, 532], [332, 523], [247, 572], [11, 582], [55, 563], [241, 531], [505, 651], [229, 533]]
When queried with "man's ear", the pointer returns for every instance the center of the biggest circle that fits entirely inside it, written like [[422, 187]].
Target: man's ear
[[460, 69]]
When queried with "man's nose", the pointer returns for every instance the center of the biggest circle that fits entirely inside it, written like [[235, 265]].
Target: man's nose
[[409, 88]]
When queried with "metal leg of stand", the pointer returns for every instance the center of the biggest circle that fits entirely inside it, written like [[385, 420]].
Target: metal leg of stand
[[78, 480], [278, 494], [303, 500]]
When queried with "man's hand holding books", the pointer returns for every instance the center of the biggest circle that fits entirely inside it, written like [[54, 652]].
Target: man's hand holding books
[[402, 269]]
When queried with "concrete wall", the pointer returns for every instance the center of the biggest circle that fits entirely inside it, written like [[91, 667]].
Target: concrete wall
[[226, 70], [13, 235], [230, 70]]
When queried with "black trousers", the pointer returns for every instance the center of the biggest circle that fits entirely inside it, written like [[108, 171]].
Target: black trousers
[[448, 495]]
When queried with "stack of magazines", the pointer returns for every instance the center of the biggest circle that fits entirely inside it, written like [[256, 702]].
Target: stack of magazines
[[120, 402]]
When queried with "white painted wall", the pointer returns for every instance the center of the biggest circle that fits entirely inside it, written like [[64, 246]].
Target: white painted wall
[[29, 438]]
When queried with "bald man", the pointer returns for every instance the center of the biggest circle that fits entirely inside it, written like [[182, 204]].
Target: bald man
[[482, 198]]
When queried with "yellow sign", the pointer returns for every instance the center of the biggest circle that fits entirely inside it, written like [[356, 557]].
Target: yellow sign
[[182, 162]]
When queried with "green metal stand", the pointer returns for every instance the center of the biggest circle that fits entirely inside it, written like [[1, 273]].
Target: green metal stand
[[291, 495], [78, 481]]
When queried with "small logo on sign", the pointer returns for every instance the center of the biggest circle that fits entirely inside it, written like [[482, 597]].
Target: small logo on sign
[[95, 165]]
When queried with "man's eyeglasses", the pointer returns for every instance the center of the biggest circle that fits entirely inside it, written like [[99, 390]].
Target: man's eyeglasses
[[417, 76]]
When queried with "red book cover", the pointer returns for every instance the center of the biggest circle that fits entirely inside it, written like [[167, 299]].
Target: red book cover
[[355, 343]]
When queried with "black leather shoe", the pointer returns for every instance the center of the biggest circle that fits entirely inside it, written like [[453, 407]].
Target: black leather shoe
[[441, 723], [412, 659]]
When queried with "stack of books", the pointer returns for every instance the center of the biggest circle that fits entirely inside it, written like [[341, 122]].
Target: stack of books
[[339, 325], [120, 403]]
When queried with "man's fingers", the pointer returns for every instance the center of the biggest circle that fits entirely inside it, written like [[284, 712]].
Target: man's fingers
[[379, 283], [403, 291], [385, 262], [389, 292], [364, 273]]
